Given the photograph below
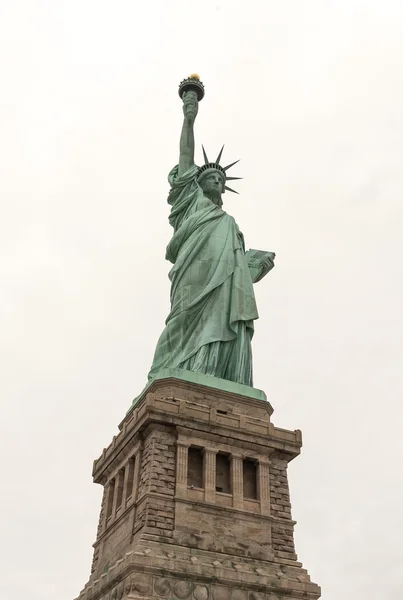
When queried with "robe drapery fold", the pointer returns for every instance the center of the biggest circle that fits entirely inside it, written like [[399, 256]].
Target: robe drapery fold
[[210, 326]]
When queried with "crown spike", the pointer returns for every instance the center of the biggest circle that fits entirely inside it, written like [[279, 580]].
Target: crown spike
[[219, 156], [231, 190], [232, 178], [205, 156], [231, 165]]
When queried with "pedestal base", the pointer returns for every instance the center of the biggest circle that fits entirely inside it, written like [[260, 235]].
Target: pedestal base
[[196, 502]]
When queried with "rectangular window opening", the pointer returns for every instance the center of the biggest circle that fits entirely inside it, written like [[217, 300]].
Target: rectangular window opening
[[195, 467], [249, 479], [223, 473]]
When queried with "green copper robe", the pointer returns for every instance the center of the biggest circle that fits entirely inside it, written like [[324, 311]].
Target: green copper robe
[[210, 326]]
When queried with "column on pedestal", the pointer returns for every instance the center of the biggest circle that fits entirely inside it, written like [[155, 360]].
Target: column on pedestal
[[110, 495], [125, 484], [131, 480], [237, 480], [264, 485], [181, 469], [136, 474], [209, 474]]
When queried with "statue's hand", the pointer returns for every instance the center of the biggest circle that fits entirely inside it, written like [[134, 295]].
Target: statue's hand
[[260, 262], [190, 105], [267, 263]]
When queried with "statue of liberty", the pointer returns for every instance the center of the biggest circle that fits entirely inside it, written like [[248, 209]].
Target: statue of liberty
[[210, 326]]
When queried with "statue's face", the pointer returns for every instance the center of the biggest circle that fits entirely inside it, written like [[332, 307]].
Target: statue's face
[[213, 186]]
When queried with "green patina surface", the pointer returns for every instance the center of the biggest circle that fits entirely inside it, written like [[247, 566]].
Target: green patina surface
[[210, 326]]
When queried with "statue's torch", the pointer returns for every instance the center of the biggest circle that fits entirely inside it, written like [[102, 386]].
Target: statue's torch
[[192, 84]]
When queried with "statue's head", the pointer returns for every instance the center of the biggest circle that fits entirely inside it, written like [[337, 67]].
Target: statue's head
[[212, 178], [212, 182]]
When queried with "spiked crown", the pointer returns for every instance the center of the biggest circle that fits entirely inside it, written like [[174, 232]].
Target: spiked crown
[[215, 166]]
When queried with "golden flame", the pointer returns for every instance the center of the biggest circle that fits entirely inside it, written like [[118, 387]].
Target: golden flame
[[194, 76]]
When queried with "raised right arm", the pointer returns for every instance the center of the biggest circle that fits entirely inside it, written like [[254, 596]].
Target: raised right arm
[[187, 141]]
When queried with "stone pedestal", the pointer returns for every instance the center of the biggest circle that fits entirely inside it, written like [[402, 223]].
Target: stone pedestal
[[196, 503]]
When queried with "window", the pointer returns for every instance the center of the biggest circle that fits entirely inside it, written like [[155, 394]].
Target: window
[[249, 479], [195, 467], [223, 479]]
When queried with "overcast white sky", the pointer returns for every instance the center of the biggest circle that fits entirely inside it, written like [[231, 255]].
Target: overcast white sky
[[309, 94]]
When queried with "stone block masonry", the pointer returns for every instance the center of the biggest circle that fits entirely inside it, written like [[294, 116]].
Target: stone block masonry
[[158, 462], [196, 501]]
